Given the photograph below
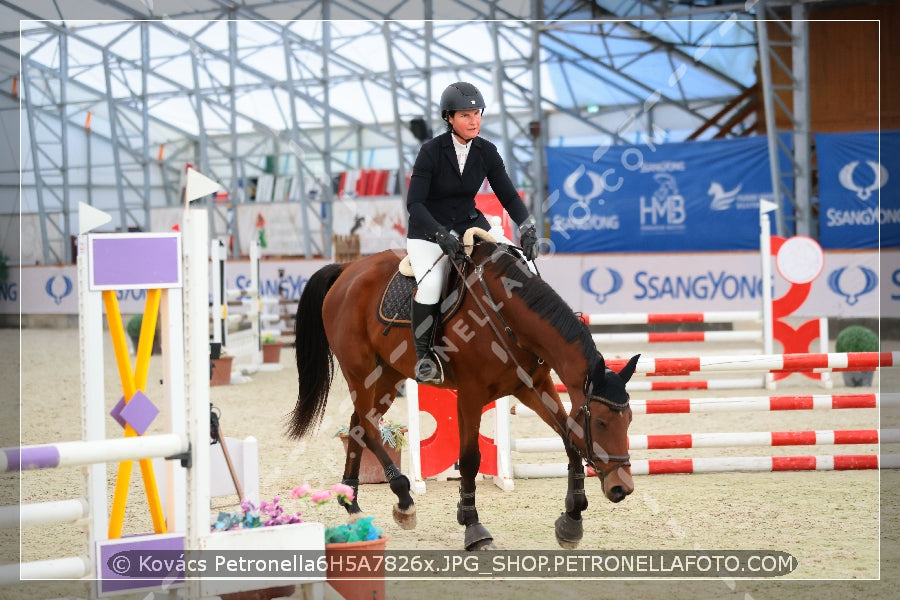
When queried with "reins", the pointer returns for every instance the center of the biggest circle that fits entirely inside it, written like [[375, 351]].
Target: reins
[[615, 461]]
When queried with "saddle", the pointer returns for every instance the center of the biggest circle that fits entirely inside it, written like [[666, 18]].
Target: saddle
[[394, 307]]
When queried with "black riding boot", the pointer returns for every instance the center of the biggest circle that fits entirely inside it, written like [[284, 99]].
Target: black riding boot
[[424, 321]]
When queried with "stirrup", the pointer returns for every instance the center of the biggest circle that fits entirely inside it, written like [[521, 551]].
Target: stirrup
[[429, 370]]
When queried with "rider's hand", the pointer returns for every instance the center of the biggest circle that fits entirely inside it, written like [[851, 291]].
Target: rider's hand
[[447, 241], [528, 237]]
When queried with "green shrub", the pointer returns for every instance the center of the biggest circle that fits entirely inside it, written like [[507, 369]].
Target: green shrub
[[856, 338], [134, 326]]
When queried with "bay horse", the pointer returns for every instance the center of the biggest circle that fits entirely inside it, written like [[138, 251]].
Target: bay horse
[[510, 329]]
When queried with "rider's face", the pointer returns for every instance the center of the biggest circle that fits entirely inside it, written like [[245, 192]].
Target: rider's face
[[466, 123]]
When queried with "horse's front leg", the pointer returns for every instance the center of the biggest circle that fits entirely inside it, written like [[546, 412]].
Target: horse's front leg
[[477, 536], [545, 401], [569, 527]]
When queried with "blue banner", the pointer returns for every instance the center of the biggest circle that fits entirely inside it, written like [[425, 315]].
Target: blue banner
[[681, 197], [853, 178]]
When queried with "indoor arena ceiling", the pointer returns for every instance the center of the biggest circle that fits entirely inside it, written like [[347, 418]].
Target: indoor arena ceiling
[[193, 74]]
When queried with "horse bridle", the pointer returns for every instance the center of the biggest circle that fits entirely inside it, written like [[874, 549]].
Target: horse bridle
[[614, 461]]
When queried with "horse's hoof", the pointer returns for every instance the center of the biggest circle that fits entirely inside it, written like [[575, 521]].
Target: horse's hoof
[[478, 538], [569, 531], [406, 519]]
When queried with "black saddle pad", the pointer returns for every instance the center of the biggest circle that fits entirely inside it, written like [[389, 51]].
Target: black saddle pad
[[394, 308]]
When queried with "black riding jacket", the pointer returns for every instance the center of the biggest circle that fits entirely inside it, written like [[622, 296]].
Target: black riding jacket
[[439, 195]]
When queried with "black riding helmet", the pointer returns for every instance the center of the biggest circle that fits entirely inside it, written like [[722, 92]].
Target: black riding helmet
[[460, 96]]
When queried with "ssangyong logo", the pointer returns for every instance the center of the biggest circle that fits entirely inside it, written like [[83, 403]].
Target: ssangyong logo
[[56, 290], [607, 286], [863, 192], [598, 185], [851, 287]]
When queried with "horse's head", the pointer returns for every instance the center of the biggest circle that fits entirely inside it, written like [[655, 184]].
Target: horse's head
[[599, 427]]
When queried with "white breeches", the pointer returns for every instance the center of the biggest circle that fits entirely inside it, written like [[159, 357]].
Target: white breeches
[[429, 274]]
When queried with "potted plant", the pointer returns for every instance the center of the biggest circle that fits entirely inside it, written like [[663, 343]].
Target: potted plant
[[394, 440], [271, 349], [341, 541], [219, 364], [857, 338]]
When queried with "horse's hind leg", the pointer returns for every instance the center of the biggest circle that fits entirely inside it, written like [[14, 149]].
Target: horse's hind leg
[[355, 445], [368, 416]]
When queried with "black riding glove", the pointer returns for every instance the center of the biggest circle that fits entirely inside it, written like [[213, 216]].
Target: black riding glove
[[528, 238], [447, 241]]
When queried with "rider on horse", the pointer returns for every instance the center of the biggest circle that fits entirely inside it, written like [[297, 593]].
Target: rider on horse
[[446, 176]]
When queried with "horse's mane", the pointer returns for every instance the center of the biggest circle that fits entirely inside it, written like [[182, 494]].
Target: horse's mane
[[543, 300]]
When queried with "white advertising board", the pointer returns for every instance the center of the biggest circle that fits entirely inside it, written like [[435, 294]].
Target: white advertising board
[[852, 283]]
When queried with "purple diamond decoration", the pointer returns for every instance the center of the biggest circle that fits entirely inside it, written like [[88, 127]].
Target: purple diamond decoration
[[116, 412], [139, 412]]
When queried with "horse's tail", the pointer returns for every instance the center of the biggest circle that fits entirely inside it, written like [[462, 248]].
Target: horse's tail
[[315, 363]]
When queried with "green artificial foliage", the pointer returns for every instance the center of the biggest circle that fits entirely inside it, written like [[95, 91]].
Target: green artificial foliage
[[856, 338], [392, 433], [134, 326]]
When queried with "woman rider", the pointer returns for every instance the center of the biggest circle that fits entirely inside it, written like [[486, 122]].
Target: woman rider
[[447, 174]]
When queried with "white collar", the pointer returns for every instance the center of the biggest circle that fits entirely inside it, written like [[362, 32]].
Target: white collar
[[458, 145]]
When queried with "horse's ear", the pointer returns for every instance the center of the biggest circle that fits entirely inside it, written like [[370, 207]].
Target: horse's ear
[[628, 370]]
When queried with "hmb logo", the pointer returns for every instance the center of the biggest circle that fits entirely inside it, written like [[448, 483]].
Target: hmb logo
[[665, 207]]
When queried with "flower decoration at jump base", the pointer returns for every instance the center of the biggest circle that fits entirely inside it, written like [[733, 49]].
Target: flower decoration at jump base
[[280, 512], [392, 433]]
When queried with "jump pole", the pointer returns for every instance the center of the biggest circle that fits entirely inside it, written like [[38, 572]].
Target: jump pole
[[635, 318], [746, 403], [846, 361], [729, 464], [822, 437], [664, 385]]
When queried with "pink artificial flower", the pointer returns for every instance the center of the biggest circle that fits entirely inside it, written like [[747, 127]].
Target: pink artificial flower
[[321, 497], [341, 489], [301, 491]]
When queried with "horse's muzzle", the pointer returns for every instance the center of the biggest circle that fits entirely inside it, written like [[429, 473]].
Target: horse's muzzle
[[617, 493], [618, 484]]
